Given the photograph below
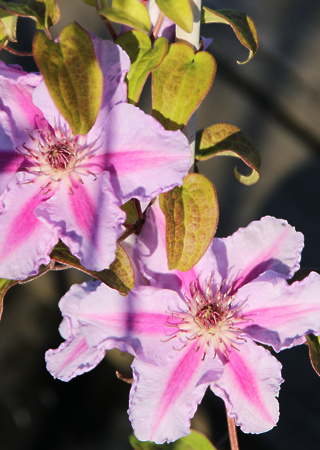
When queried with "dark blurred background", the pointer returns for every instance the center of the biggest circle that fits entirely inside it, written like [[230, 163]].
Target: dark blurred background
[[275, 99]]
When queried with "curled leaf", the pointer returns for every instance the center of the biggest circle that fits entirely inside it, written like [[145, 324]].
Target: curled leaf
[[229, 140], [192, 214], [8, 26], [144, 58], [180, 83], [72, 75], [314, 351], [45, 12], [127, 12], [119, 276], [179, 11], [242, 25]]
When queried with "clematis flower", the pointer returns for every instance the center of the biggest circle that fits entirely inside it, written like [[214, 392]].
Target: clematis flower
[[190, 330], [55, 185]]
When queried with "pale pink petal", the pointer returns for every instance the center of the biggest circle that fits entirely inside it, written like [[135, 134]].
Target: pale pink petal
[[43, 100], [16, 74], [278, 314], [144, 159], [164, 398], [137, 323], [16, 102], [73, 358], [25, 242], [115, 64], [268, 244], [249, 386], [88, 220]]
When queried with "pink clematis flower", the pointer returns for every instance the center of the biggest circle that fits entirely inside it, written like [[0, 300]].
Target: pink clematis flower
[[196, 329], [55, 185]]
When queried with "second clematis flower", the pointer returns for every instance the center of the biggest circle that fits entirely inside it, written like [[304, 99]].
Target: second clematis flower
[[197, 329], [55, 185]]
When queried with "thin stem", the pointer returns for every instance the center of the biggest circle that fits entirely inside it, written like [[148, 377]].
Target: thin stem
[[232, 433], [157, 27], [107, 23], [17, 52]]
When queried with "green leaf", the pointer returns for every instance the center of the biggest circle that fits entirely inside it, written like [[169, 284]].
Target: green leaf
[[8, 26], [4, 286], [119, 276], [229, 140], [242, 25], [131, 212], [72, 74], [314, 351], [179, 11], [45, 12], [194, 441], [128, 12], [144, 58], [180, 84], [192, 214]]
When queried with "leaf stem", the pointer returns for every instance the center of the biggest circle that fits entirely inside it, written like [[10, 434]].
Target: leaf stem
[[232, 433], [17, 52], [157, 27]]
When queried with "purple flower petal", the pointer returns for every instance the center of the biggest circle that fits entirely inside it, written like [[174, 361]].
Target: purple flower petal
[[133, 139], [88, 219], [25, 242], [268, 244], [249, 386], [278, 314], [136, 324], [164, 398]]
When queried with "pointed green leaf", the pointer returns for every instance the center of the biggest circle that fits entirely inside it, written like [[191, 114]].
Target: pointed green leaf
[[229, 140], [144, 58], [314, 351], [179, 11], [128, 12], [191, 220], [72, 74], [119, 276], [194, 441], [180, 84], [45, 12], [242, 25]]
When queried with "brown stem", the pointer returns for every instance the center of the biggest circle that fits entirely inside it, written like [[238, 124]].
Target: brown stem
[[157, 27], [17, 52], [232, 433]]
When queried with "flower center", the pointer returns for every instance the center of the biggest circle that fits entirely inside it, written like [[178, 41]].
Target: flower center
[[212, 321], [55, 153], [59, 156]]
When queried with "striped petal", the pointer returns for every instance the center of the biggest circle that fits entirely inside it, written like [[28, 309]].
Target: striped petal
[[279, 314], [144, 159], [164, 398], [87, 217], [137, 324], [25, 242], [249, 386], [267, 244]]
